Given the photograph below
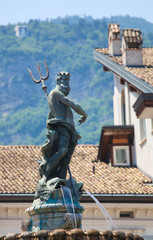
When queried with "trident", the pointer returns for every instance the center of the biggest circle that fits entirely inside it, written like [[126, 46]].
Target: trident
[[42, 79]]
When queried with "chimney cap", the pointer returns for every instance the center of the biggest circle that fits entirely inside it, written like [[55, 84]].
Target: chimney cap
[[132, 35], [114, 27]]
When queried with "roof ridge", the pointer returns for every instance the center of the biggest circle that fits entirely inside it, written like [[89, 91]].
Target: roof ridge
[[19, 146]]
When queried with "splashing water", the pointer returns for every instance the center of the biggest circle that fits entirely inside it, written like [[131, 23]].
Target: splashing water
[[105, 213], [67, 196]]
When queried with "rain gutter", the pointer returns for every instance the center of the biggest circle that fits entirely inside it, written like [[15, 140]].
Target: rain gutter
[[14, 197], [119, 198]]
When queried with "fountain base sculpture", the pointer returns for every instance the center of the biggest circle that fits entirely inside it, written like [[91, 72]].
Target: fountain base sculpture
[[58, 208]]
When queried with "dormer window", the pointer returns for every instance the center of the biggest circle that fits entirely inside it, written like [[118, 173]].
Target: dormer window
[[115, 145], [121, 155]]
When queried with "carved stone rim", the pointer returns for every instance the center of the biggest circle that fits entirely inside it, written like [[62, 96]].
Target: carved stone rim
[[51, 207]]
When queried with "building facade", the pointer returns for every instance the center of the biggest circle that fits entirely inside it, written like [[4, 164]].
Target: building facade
[[132, 69], [21, 31]]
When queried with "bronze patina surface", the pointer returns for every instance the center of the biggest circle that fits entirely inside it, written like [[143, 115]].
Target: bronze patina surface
[[56, 203]]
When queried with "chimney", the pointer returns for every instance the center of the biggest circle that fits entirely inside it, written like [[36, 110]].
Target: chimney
[[132, 47], [114, 39]]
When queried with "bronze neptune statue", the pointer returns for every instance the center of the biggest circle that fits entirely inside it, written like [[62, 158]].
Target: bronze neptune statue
[[62, 136], [56, 203]]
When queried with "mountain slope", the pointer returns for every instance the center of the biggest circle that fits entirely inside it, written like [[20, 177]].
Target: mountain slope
[[67, 44]]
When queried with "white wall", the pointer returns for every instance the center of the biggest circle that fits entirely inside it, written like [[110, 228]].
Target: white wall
[[142, 150], [141, 224], [117, 101], [11, 215]]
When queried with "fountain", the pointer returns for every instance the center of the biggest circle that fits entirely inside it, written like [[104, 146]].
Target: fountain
[[56, 205], [57, 201]]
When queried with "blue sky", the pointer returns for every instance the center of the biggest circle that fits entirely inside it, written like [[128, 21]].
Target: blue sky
[[14, 11]]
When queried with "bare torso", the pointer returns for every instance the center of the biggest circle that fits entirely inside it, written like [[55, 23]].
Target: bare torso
[[58, 110]]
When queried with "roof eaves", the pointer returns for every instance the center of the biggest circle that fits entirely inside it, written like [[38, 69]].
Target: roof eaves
[[114, 127], [123, 73], [118, 195], [119, 198], [105, 198], [11, 197]]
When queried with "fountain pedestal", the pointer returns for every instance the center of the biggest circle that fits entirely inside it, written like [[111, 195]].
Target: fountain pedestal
[[53, 216], [55, 207]]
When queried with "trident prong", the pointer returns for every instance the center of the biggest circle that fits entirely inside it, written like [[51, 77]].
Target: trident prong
[[38, 67], [33, 76], [42, 79], [45, 78]]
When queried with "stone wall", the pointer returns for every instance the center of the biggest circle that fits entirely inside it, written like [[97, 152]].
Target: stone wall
[[75, 234]]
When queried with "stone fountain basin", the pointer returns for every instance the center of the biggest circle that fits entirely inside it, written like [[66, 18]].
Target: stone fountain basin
[[53, 216]]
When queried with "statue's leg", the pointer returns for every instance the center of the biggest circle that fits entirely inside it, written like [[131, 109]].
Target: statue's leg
[[62, 172], [53, 164], [55, 159]]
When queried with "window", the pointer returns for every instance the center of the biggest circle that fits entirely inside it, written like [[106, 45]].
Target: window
[[127, 214], [142, 129], [121, 155]]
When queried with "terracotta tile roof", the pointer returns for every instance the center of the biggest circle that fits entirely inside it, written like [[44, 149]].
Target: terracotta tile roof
[[114, 27], [18, 168], [132, 35], [19, 172], [145, 72]]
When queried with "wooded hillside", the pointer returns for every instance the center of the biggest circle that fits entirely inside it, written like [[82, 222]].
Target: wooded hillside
[[67, 45]]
